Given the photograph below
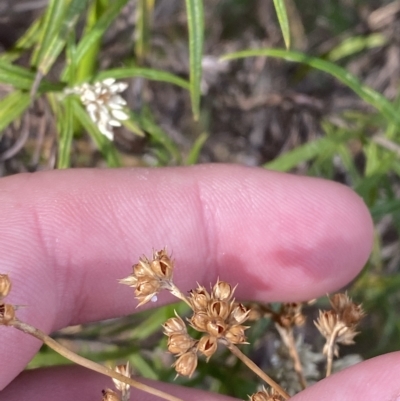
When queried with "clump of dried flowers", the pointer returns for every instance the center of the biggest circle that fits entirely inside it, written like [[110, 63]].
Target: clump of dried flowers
[[220, 320]]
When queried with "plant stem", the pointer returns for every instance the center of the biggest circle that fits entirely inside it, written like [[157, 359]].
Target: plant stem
[[288, 339], [65, 352], [251, 365], [330, 347]]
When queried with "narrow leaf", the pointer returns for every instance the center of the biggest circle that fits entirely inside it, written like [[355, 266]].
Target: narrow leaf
[[142, 29], [97, 30], [195, 16], [365, 92], [194, 153], [59, 35], [147, 73], [66, 134], [283, 19], [11, 107]]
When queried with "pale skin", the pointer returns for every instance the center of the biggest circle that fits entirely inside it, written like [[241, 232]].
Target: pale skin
[[67, 236]]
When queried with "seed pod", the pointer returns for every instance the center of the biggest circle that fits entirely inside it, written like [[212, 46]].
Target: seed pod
[[235, 334], [174, 325], [222, 291], [186, 364], [110, 395], [199, 321], [7, 313], [5, 285], [220, 309], [240, 313], [180, 343], [162, 266], [216, 327], [207, 346]]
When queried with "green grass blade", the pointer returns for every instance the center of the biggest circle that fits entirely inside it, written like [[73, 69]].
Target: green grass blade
[[106, 147], [11, 107], [92, 37], [283, 19], [66, 134], [356, 44], [194, 153], [21, 78], [59, 35], [50, 21], [143, 26], [365, 92], [147, 73], [158, 134], [195, 16], [302, 153]]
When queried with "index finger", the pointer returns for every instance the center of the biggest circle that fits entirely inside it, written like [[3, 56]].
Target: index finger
[[69, 235]]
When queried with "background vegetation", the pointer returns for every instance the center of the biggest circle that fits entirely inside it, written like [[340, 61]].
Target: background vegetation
[[311, 90]]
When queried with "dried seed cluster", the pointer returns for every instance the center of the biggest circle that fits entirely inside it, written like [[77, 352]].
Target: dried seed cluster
[[339, 325], [265, 395], [7, 311], [151, 276], [215, 313], [123, 388]]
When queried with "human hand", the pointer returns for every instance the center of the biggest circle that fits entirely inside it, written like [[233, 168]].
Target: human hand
[[67, 236]]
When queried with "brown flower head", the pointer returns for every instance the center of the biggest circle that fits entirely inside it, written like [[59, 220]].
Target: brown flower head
[[121, 386], [150, 276], [180, 343], [174, 325], [218, 316], [207, 346], [5, 285], [7, 313], [266, 395], [339, 325], [289, 315], [110, 395], [186, 364]]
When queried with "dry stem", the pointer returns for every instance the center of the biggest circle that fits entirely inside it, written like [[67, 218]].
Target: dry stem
[[330, 348], [251, 365], [26, 328], [288, 339]]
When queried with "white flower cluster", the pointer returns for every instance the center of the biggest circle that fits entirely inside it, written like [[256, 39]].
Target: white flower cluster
[[103, 103]]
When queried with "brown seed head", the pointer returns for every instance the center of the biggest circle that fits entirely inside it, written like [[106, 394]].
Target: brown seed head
[[161, 265], [150, 276], [110, 395], [146, 289], [266, 395], [207, 346], [216, 327], [199, 321], [239, 314], [290, 315], [199, 299], [186, 364], [126, 371], [7, 314], [5, 285], [174, 325], [235, 334], [180, 343], [219, 309], [222, 291]]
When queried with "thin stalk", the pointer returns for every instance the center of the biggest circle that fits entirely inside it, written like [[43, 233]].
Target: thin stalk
[[330, 347], [288, 339], [251, 365], [65, 352]]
